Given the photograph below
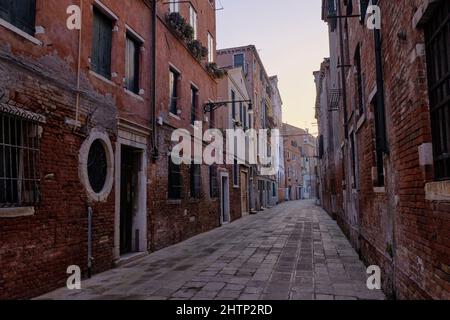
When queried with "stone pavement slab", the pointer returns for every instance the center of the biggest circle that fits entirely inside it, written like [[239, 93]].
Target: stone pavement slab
[[293, 251]]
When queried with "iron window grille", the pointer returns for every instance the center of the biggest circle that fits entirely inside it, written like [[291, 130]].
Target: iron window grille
[[19, 161], [195, 181], [334, 99], [175, 183], [438, 61], [213, 183]]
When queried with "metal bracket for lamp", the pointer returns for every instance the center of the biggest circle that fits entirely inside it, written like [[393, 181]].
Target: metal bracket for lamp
[[211, 106]]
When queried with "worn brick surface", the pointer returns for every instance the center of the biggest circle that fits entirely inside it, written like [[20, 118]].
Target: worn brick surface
[[397, 228]]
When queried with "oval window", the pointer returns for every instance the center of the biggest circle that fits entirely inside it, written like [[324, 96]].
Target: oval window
[[97, 166]]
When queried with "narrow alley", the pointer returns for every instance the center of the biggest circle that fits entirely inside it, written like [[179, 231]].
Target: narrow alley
[[293, 251]]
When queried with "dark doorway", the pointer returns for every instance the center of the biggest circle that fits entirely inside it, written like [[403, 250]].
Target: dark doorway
[[130, 164]]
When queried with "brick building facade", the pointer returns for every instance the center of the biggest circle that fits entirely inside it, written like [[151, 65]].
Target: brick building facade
[[262, 189], [63, 114], [86, 176], [386, 92], [236, 115], [300, 163], [182, 208]]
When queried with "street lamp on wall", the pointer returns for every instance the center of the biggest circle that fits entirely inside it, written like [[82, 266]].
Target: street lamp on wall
[[211, 106]]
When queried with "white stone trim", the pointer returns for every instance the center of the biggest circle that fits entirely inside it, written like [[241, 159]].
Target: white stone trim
[[16, 212], [21, 33], [100, 77], [134, 34], [126, 138], [96, 134], [105, 10], [134, 95], [438, 191]]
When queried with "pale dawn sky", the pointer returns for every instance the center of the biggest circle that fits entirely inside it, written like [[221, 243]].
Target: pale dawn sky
[[292, 41]]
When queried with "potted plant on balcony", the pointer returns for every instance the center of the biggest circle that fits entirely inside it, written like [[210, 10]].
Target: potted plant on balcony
[[179, 25], [214, 70], [197, 49]]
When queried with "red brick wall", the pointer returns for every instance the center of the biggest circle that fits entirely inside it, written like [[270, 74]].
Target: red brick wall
[[173, 221], [35, 251], [399, 230]]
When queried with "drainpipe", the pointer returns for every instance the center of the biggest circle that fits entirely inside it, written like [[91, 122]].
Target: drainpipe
[[155, 152], [344, 87], [90, 258], [80, 38], [381, 106]]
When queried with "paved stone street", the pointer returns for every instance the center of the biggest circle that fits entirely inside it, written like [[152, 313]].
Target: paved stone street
[[293, 251]]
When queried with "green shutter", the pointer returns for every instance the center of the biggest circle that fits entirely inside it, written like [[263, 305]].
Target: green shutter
[[101, 44], [364, 5], [21, 14]]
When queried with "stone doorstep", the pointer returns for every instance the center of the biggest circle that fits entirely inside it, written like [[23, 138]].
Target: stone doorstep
[[129, 258]]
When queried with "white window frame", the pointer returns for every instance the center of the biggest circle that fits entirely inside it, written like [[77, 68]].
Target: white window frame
[[193, 18], [210, 48], [174, 6]]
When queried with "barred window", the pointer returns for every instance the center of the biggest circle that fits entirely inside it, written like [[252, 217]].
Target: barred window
[[213, 183], [438, 62], [174, 180], [196, 181], [19, 161]]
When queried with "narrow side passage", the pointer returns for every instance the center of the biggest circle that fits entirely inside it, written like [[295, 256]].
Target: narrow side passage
[[293, 251]]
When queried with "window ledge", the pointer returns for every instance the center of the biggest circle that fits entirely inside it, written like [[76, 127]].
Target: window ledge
[[21, 33], [379, 189], [16, 212], [134, 95], [438, 191], [174, 201], [100, 77], [361, 121], [174, 116]]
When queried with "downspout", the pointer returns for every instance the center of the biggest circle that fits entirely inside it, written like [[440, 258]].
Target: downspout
[[381, 105], [90, 258], [155, 152], [80, 38], [344, 102], [344, 87]]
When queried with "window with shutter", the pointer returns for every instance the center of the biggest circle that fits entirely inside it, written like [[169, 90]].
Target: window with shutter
[[380, 142], [101, 44], [21, 14], [233, 105], [236, 173], [363, 6], [174, 77], [132, 64], [194, 102]]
